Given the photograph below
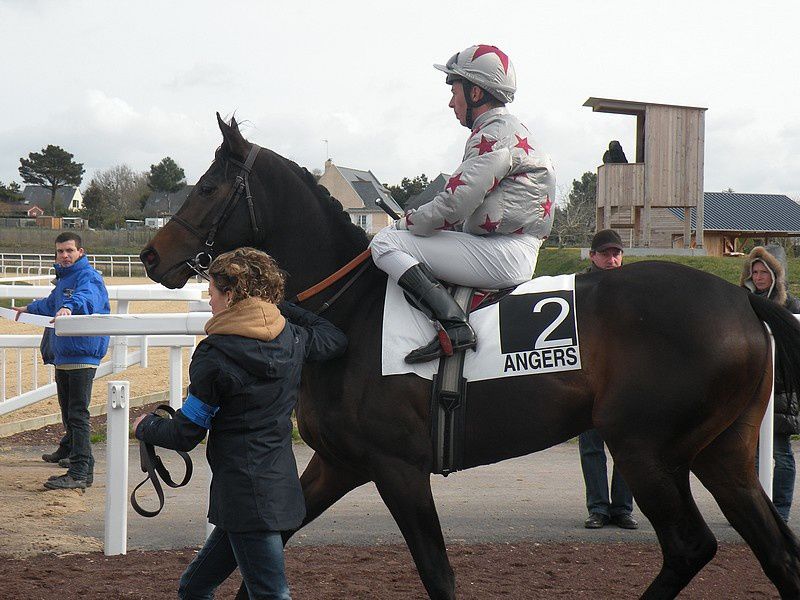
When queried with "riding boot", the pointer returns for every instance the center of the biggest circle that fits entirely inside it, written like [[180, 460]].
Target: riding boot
[[428, 295]]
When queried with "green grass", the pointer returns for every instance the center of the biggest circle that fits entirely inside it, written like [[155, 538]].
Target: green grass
[[557, 261]]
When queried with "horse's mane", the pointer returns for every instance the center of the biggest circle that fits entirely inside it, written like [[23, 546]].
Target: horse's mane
[[354, 233]]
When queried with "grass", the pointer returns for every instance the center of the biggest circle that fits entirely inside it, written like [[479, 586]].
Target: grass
[[557, 261]]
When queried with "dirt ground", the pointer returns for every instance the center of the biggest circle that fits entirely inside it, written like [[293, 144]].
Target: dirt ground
[[485, 571]]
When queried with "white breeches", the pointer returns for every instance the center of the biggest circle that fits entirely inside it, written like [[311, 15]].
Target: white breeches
[[488, 262]]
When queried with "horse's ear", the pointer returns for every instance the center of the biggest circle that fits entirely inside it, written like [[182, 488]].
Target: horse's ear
[[232, 140]]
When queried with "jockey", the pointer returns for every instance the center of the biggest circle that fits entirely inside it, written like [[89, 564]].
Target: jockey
[[485, 229]]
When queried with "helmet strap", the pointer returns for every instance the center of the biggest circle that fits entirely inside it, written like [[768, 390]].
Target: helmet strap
[[467, 87]]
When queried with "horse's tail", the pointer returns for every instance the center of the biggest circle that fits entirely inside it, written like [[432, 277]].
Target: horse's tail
[[786, 332]]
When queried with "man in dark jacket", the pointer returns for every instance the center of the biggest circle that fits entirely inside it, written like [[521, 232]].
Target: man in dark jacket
[[764, 273], [243, 387], [605, 253], [79, 291]]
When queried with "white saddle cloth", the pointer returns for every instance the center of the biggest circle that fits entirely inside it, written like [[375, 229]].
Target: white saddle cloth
[[542, 308]]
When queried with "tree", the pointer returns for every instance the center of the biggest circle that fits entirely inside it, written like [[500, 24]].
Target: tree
[[10, 192], [51, 168], [408, 188], [117, 193], [95, 205], [166, 176], [574, 221]]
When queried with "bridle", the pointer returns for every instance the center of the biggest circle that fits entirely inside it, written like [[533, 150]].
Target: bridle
[[200, 263]]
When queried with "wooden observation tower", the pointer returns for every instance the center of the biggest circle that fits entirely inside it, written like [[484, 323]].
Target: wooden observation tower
[[668, 172]]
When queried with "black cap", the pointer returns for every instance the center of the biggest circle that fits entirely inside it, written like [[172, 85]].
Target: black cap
[[605, 239]]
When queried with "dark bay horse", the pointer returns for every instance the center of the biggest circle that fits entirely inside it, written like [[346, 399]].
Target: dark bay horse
[[676, 377]]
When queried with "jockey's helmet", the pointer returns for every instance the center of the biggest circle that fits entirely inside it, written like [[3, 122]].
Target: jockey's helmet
[[487, 67]]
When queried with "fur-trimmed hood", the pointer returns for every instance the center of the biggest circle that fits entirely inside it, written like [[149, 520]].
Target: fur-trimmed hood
[[774, 258]]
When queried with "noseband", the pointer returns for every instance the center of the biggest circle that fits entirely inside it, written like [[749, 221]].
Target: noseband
[[200, 263]]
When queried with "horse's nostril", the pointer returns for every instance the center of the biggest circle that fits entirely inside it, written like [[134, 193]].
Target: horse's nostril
[[149, 257]]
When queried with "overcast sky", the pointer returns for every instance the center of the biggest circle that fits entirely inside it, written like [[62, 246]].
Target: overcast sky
[[131, 82]]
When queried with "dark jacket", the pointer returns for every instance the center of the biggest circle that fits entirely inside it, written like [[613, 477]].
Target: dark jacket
[[79, 288], [243, 387], [787, 406]]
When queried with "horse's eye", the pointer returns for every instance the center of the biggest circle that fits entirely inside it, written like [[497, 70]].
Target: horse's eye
[[206, 188]]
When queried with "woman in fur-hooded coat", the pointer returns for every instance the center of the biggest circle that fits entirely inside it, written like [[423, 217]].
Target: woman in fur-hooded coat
[[765, 273]]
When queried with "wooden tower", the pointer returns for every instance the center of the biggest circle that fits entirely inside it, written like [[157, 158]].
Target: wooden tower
[[668, 171]]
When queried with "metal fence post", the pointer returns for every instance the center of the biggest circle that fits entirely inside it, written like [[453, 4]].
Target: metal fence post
[[116, 520]]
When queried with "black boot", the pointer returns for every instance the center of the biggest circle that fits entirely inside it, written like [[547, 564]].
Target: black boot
[[431, 297]]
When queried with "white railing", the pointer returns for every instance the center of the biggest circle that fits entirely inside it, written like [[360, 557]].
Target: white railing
[[27, 358], [111, 265]]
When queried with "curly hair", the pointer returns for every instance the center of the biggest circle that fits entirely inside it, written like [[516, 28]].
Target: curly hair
[[247, 273]]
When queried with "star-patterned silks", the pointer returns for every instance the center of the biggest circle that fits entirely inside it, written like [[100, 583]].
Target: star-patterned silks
[[486, 49], [518, 231], [548, 204], [495, 184], [408, 219], [454, 182], [522, 142], [448, 226], [485, 145], [489, 225]]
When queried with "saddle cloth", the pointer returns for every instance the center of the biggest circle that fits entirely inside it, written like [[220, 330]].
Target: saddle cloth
[[531, 330]]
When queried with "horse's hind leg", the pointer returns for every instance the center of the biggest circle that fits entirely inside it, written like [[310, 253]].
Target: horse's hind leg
[[663, 494], [727, 469], [407, 493]]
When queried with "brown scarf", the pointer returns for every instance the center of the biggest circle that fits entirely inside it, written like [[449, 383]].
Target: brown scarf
[[252, 317]]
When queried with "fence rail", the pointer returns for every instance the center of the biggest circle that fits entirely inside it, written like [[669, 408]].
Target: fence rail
[[110, 265]]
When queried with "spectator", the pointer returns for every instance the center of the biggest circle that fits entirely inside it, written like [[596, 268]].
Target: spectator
[[764, 273], [243, 387], [614, 154], [79, 291], [606, 253]]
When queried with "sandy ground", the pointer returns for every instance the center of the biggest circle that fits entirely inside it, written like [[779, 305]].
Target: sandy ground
[[154, 379]]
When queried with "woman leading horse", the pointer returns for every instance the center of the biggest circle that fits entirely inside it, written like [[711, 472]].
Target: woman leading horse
[[676, 375]]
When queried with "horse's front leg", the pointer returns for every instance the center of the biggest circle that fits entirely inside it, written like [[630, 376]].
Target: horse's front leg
[[324, 483], [406, 490]]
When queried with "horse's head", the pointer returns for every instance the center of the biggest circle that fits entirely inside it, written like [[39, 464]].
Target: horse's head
[[218, 215]]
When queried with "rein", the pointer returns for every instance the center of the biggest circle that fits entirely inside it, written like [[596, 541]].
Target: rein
[[151, 464], [361, 260]]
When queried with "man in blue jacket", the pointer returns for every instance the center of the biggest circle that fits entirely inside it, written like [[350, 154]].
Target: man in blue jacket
[[79, 291]]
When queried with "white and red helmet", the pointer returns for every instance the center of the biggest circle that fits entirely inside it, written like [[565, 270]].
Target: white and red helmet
[[486, 66]]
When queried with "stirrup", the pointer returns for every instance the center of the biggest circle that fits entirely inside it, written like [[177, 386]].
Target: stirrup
[[442, 345]]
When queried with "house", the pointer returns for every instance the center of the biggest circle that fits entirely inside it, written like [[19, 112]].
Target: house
[[68, 198], [357, 191], [166, 204], [16, 210], [731, 219], [434, 187]]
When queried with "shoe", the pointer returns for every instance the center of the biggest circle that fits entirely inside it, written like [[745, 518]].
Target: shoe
[[64, 463], [625, 522], [430, 296], [89, 478], [53, 457], [65, 482], [596, 521]]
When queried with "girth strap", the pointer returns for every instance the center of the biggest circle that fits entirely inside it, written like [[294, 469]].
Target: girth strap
[[151, 464]]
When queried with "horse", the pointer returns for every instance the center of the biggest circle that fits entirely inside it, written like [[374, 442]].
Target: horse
[[676, 376]]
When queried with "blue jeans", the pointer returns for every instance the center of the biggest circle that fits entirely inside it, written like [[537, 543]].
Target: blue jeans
[[593, 465], [783, 474], [74, 388], [258, 554]]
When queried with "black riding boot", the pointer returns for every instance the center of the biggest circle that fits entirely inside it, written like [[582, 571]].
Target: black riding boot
[[431, 297]]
